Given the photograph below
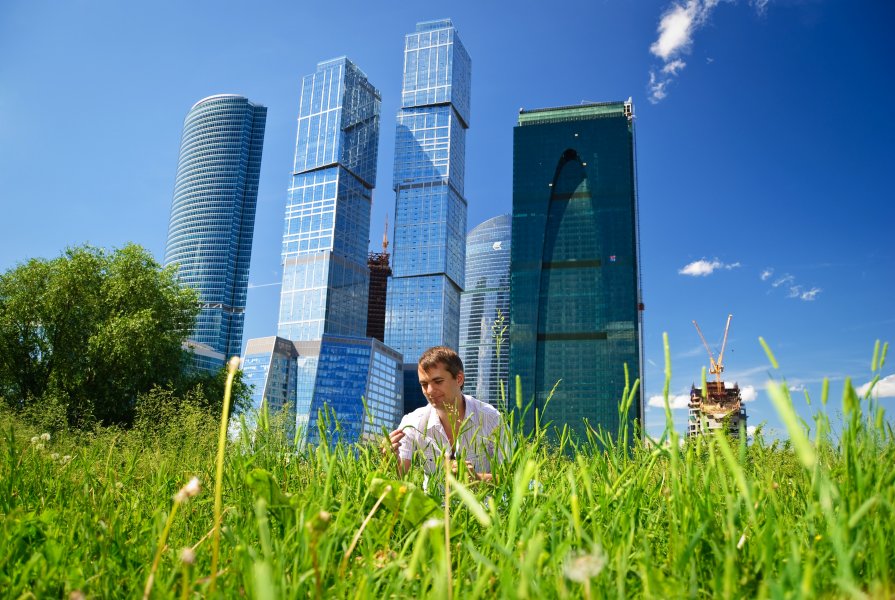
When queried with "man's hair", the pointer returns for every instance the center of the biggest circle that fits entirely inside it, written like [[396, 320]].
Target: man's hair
[[441, 355]]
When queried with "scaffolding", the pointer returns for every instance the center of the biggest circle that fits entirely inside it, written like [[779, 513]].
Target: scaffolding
[[717, 406]]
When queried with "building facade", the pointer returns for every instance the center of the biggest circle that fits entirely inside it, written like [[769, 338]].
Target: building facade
[[327, 228], [575, 303], [328, 368], [358, 390], [485, 311], [213, 217], [423, 305], [269, 368]]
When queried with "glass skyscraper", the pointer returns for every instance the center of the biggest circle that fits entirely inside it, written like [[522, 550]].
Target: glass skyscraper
[[213, 217], [325, 273], [359, 381], [575, 303], [321, 360], [423, 305], [485, 311], [269, 367]]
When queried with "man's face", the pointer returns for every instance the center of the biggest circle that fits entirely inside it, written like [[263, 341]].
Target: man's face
[[440, 387]]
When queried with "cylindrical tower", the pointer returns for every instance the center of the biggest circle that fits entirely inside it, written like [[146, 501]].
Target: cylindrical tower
[[485, 311], [213, 213]]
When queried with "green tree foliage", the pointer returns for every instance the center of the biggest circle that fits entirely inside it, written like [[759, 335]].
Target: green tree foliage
[[89, 332]]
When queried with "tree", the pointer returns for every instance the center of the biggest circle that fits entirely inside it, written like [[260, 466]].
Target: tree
[[91, 330]]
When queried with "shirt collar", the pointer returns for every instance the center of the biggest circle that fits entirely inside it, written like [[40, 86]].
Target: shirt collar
[[435, 423]]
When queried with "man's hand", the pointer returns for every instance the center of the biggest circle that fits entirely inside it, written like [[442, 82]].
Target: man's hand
[[474, 477], [469, 468], [393, 442]]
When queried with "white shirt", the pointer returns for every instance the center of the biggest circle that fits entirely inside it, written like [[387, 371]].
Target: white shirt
[[481, 436]]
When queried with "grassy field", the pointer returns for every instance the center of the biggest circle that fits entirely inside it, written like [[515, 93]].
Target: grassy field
[[94, 514]]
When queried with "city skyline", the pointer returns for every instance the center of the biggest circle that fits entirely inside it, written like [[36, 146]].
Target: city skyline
[[757, 197]]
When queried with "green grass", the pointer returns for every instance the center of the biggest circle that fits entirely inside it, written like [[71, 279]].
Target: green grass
[[717, 518]]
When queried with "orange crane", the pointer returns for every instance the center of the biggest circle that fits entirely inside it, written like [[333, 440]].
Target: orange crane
[[717, 367]]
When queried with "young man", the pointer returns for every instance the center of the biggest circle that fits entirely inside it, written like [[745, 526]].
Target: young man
[[458, 427]]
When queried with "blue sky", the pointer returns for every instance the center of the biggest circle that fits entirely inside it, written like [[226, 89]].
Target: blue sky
[[764, 148]]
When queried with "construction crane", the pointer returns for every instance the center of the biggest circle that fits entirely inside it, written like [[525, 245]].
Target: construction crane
[[717, 367]]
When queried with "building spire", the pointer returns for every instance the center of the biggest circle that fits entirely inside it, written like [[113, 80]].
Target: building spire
[[385, 236]]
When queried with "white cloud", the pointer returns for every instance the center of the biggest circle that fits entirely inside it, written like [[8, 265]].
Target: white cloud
[[884, 388], [810, 295], [677, 25], [796, 290], [676, 28], [657, 87], [783, 280], [750, 430], [704, 268], [673, 67], [761, 6], [748, 393], [676, 402]]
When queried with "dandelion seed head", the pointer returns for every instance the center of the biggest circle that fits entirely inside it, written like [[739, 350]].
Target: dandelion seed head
[[38, 446], [187, 556], [35, 439], [188, 491], [55, 456], [66, 459], [118, 485], [45, 437], [584, 567]]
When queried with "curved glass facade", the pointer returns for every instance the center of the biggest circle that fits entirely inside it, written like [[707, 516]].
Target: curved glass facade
[[575, 299], [485, 311], [213, 213], [423, 304]]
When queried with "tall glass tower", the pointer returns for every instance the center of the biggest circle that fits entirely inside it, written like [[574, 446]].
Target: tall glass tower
[[323, 303], [325, 273], [485, 311], [423, 305], [213, 216], [575, 303]]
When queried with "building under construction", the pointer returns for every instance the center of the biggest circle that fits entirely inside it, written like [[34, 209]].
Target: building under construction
[[717, 406], [380, 271]]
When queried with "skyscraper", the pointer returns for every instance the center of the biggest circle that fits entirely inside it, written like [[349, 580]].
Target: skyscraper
[[326, 363], [423, 307], [213, 217], [575, 303], [485, 311], [325, 273]]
